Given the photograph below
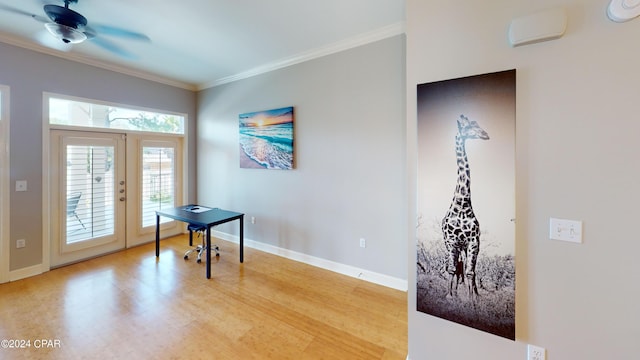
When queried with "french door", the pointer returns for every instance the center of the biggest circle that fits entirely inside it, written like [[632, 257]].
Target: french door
[[154, 169], [106, 188], [88, 195]]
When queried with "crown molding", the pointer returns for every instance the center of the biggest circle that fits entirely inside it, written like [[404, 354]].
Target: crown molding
[[353, 42], [29, 45], [358, 40]]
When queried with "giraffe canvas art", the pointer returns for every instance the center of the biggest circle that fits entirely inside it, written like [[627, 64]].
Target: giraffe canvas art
[[466, 243], [460, 227]]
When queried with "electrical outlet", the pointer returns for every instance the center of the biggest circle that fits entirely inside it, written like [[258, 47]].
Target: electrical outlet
[[363, 243], [21, 185], [20, 243], [535, 353]]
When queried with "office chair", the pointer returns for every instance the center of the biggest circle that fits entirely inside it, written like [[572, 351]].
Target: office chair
[[72, 204], [202, 248]]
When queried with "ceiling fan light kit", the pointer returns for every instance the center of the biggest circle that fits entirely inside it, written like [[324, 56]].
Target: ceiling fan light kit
[[66, 33]]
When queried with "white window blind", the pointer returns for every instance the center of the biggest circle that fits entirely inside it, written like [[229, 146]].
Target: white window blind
[[158, 182], [90, 192]]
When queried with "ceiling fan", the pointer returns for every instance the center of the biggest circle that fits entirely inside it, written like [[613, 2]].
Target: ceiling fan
[[71, 27]]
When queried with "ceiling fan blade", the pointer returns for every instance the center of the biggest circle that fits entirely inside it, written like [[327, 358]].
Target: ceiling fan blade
[[25, 13], [115, 31], [14, 10], [41, 19], [113, 48]]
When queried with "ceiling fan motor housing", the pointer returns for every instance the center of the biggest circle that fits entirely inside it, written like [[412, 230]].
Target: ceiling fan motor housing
[[65, 16]]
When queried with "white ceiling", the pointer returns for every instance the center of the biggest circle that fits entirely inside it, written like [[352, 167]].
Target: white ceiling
[[201, 43]]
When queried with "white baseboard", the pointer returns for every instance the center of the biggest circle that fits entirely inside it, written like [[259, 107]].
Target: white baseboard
[[370, 276], [24, 273]]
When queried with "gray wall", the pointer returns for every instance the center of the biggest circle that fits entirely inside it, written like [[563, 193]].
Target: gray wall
[[349, 177], [29, 74], [577, 158]]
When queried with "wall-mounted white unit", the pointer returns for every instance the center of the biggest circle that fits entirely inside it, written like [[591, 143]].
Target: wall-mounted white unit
[[541, 26]]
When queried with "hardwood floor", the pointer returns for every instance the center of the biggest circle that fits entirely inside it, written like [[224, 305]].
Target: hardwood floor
[[128, 305]]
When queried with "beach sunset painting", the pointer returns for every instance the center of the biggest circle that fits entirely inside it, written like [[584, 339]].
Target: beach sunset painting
[[266, 139]]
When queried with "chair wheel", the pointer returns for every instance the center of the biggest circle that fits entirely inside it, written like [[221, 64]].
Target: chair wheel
[[186, 257], [218, 255], [199, 261]]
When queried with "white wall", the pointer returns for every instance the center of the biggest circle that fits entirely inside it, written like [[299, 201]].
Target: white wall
[[577, 158], [348, 182]]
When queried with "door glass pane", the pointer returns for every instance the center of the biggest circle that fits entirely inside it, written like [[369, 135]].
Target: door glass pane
[[90, 192], [158, 182]]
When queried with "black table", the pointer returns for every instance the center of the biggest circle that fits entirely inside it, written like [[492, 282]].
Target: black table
[[208, 219]]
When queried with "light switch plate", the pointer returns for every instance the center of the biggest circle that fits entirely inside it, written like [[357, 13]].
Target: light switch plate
[[565, 230]]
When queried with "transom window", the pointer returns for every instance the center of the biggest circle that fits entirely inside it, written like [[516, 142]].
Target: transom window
[[63, 111]]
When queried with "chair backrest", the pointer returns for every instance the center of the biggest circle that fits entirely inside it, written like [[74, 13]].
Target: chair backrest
[[72, 202], [194, 227]]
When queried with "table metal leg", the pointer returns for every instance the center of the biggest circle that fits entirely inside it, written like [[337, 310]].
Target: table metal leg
[[208, 252], [242, 238], [157, 235]]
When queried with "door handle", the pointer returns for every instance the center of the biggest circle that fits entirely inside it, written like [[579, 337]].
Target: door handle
[[122, 198]]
